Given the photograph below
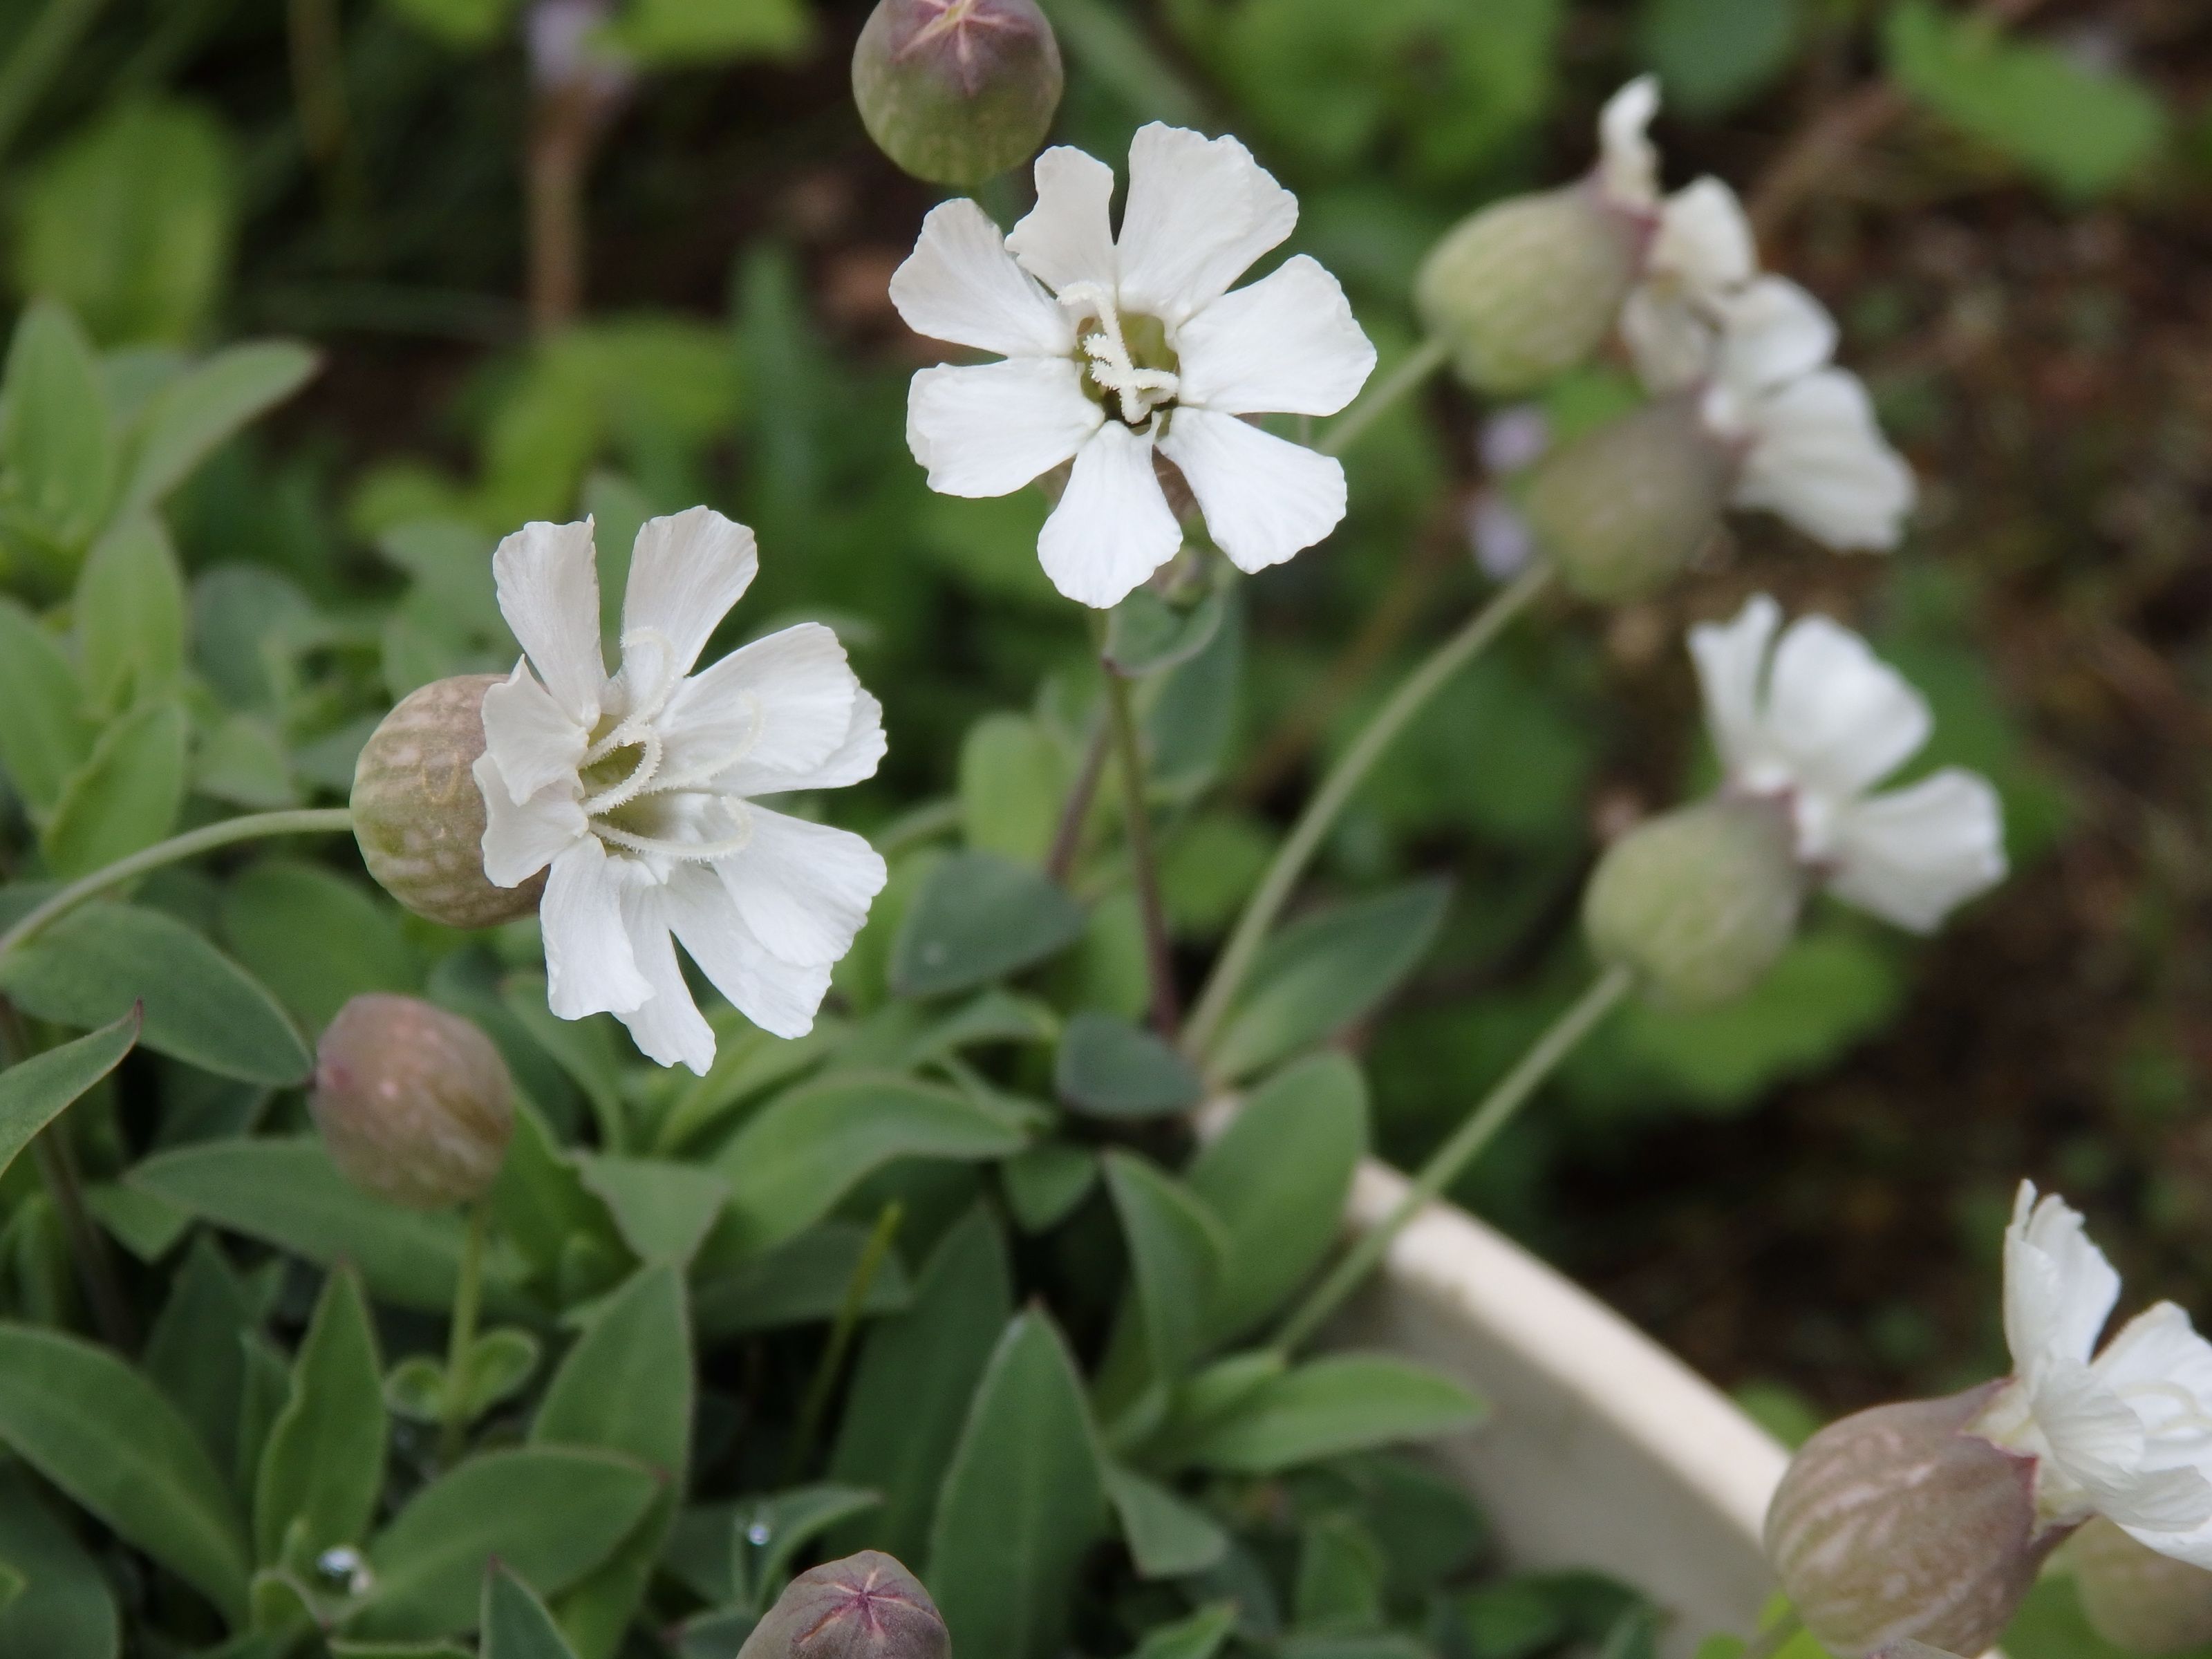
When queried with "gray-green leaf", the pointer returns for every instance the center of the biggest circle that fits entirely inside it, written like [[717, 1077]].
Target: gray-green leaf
[[1328, 1407], [1168, 1535], [324, 1464], [1110, 1068], [1176, 1250], [516, 1624], [35, 1091], [977, 918], [66, 1610], [125, 797]]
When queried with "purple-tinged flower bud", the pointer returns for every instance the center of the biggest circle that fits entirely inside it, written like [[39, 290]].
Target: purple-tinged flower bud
[[419, 815], [1622, 510], [865, 1607], [1699, 902], [957, 91], [415, 1104], [2135, 1598], [1900, 1524]]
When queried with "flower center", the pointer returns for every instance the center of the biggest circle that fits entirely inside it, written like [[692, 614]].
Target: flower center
[[1128, 362]]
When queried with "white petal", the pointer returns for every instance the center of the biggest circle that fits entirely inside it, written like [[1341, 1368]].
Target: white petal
[[782, 704], [589, 968], [667, 1026], [1731, 660], [1672, 343], [1628, 164], [1844, 719], [1288, 344], [804, 889], [1264, 497], [990, 429], [1703, 243], [1068, 236], [549, 592], [1200, 210], [1819, 460], [685, 572], [1772, 331], [2059, 1289], [1914, 855], [520, 838], [529, 739], [779, 997], [1113, 526], [855, 758], [961, 284]]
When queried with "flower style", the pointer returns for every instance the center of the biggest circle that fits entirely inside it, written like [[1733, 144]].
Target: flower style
[[1117, 349], [637, 789], [2126, 1433], [1815, 722]]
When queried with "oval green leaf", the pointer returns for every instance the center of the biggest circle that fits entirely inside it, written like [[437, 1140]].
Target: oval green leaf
[[977, 918]]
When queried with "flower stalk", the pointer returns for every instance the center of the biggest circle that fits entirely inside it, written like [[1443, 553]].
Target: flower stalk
[[1412, 372], [1144, 861], [460, 1346]]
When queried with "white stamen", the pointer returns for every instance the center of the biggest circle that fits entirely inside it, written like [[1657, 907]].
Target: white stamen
[[701, 852], [648, 741], [1140, 389]]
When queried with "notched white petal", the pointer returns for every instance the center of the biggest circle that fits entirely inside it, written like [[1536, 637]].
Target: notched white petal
[[589, 966], [531, 740], [1913, 855], [1628, 162], [782, 703], [1817, 459], [1068, 236], [1113, 526], [780, 997], [1200, 210], [1731, 663], [802, 887], [522, 837], [960, 284], [1264, 498], [1286, 344], [667, 1026], [685, 572], [1846, 719], [989, 429], [549, 592]]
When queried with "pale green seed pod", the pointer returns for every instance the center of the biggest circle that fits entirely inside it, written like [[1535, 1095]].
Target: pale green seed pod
[[865, 1607], [419, 815], [1698, 903], [1898, 1525], [1530, 287], [414, 1104], [2135, 1598], [957, 91], [1621, 510]]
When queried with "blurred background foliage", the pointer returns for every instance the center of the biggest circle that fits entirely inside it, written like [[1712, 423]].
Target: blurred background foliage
[[658, 277]]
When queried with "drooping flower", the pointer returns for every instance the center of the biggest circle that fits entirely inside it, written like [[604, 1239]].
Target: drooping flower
[[637, 790], [1120, 350], [1814, 722]]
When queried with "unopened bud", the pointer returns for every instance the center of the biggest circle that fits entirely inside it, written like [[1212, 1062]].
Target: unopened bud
[[419, 815], [1530, 287], [865, 1607], [1698, 903], [2135, 1598], [1620, 511], [414, 1104], [1899, 1524], [957, 91]]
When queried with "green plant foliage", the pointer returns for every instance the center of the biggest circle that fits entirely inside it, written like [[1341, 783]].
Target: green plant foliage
[[1347, 1402], [1712, 55], [322, 1470], [37, 1091], [979, 917], [66, 1608]]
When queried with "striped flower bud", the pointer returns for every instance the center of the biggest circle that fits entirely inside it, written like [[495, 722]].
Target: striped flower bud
[[1621, 510], [418, 813], [957, 91], [2136, 1598], [414, 1104], [865, 1607]]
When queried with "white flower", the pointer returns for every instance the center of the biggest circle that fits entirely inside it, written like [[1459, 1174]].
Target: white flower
[[1115, 348], [1816, 722], [636, 788], [1627, 173], [2126, 1434]]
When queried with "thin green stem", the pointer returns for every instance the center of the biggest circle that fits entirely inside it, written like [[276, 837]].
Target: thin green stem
[[461, 1340], [1775, 1637], [255, 826], [816, 1407], [1329, 801], [1144, 862], [1075, 810], [1380, 399], [912, 828], [31, 68], [1448, 1161]]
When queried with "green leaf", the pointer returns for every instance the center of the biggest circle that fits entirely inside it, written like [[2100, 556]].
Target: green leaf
[[1023, 1499], [1279, 1178], [55, 446], [550, 1513], [806, 1150], [584, 1049], [1146, 635], [2081, 130], [1168, 1537], [516, 1624], [315, 937], [748, 1063], [62, 1403], [288, 1193], [414, 1388], [795, 1284], [1324, 973], [459, 23], [125, 795], [66, 1610], [1340, 1571], [1110, 1068], [1713, 55], [977, 918], [45, 737], [1013, 782], [1198, 1637], [196, 1351], [323, 1467], [1329, 1406], [500, 1362], [1176, 1250], [131, 615], [200, 1006], [342, 1649], [37, 1091], [783, 1524], [917, 1373], [1043, 1183], [677, 32], [191, 416], [664, 1210]]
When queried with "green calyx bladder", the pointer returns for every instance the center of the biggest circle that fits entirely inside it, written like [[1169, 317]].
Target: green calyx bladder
[[957, 94], [1621, 510]]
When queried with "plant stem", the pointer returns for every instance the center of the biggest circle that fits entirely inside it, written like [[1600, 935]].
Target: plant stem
[[815, 1407], [255, 826], [1075, 812], [1415, 368], [1449, 1160], [1144, 865], [1775, 1637], [39, 50], [1329, 801], [468, 1296]]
